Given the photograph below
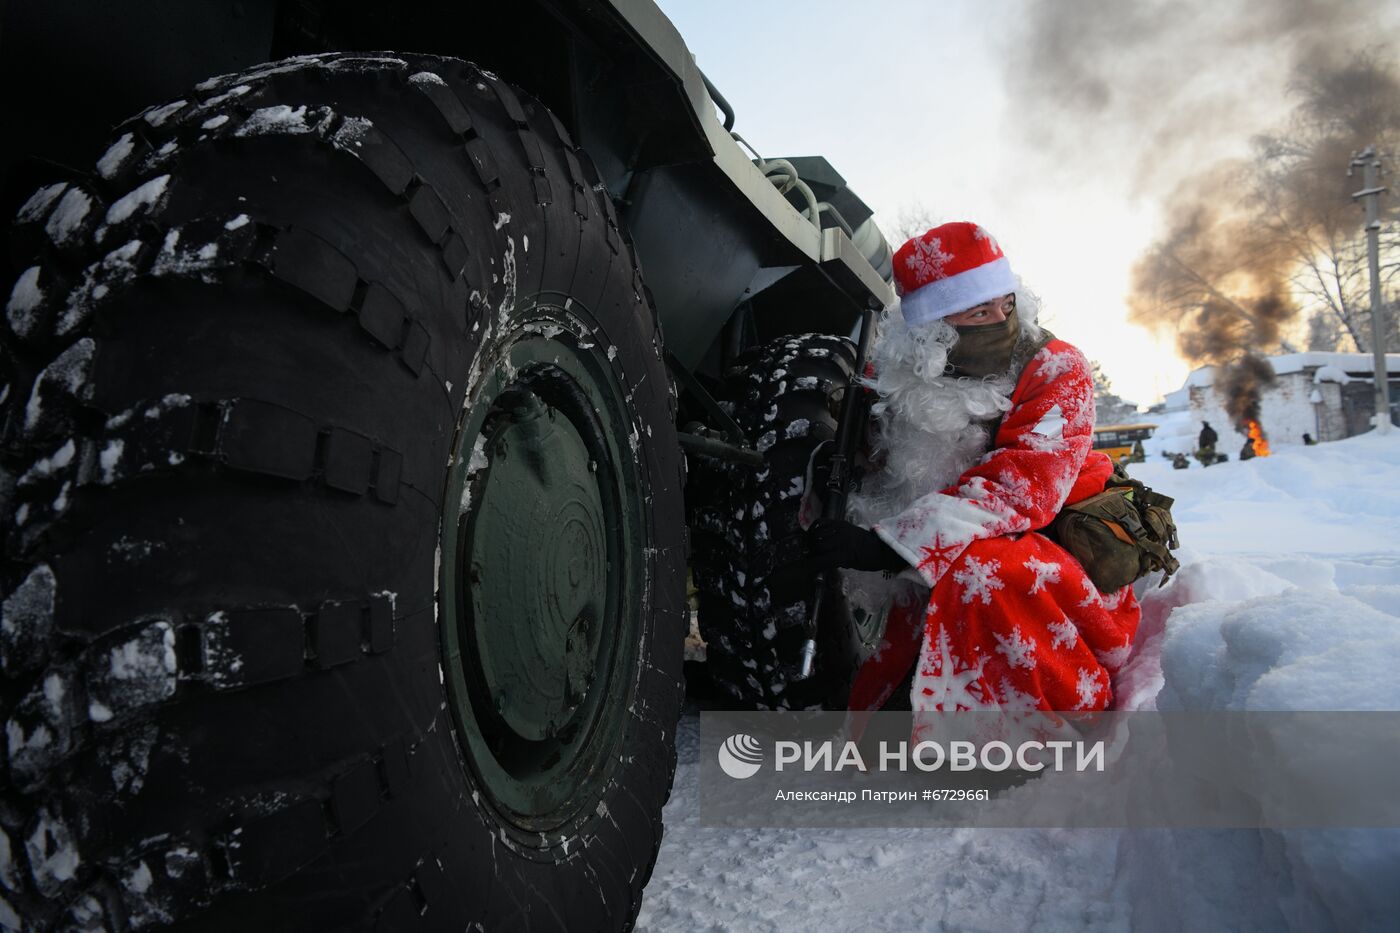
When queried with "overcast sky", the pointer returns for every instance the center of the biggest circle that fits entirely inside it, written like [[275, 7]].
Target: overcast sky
[[1061, 127]]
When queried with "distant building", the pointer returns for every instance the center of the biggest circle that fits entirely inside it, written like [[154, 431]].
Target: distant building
[[1327, 395]]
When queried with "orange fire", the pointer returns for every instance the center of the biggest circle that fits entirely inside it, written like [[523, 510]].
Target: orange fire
[[1256, 437]]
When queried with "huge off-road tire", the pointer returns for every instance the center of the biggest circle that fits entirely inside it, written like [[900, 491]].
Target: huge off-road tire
[[786, 397], [344, 554]]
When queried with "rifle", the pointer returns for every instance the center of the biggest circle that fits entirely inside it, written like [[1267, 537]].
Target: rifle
[[854, 410]]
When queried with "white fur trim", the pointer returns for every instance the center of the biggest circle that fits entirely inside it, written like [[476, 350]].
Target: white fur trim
[[943, 297]]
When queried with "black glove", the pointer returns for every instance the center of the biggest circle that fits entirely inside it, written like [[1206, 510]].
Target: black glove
[[839, 543]]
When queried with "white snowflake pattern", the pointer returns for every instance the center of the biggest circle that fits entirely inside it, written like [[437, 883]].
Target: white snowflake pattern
[[1017, 487], [1055, 365], [1114, 600], [980, 233], [1091, 595], [1002, 516], [1065, 634], [928, 259], [1115, 658], [1018, 650], [946, 683], [1013, 700], [978, 580], [1046, 571], [1088, 688]]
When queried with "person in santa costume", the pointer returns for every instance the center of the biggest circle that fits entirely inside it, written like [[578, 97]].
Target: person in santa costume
[[981, 433]]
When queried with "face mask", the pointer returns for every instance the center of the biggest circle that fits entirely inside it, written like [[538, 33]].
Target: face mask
[[985, 349]]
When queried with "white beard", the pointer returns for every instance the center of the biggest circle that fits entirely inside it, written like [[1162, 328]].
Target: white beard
[[929, 428], [927, 433]]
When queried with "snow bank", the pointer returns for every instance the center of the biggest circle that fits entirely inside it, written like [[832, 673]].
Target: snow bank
[[1337, 498], [780, 880], [1295, 650], [1288, 598], [1176, 432]]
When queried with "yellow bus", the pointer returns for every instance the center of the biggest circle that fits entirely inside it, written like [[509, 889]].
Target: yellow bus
[[1119, 440]]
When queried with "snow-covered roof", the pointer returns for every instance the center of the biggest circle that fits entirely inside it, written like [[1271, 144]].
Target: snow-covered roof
[[1333, 374], [1351, 363], [1356, 365], [1180, 400], [1200, 378]]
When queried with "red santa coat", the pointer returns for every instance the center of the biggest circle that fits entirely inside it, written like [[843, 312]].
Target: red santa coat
[[1012, 621]]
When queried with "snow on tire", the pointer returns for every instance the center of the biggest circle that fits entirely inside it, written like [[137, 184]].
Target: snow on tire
[[235, 364], [781, 394]]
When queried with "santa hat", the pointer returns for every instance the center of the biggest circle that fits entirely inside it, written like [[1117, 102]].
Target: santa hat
[[951, 268]]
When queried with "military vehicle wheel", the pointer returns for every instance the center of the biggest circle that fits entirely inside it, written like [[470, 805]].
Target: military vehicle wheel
[[785, 395], [345, 540]]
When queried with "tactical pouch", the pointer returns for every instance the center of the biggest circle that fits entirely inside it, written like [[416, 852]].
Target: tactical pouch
[[1119, 535]]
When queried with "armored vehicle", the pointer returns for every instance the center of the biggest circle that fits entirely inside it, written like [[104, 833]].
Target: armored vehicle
[[348, 402]]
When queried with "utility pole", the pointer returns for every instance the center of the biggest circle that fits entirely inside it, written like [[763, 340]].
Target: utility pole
[[1371, 192]]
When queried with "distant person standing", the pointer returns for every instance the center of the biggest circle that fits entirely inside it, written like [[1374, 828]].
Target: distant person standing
[[1208, 438], [1205, 444]]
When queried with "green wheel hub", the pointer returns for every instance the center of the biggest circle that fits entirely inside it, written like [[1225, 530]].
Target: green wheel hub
[[542, 573]]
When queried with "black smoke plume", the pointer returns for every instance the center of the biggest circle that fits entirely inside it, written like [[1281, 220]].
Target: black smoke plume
[[1203, 101]]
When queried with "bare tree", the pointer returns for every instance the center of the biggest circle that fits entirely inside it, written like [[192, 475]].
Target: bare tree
[[1217, 276], [1303, 194], [913, 219], [1254, 246], [1324, 333], [1109, 407]]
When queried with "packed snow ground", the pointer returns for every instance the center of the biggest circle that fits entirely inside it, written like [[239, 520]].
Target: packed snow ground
[[1288, 598]]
